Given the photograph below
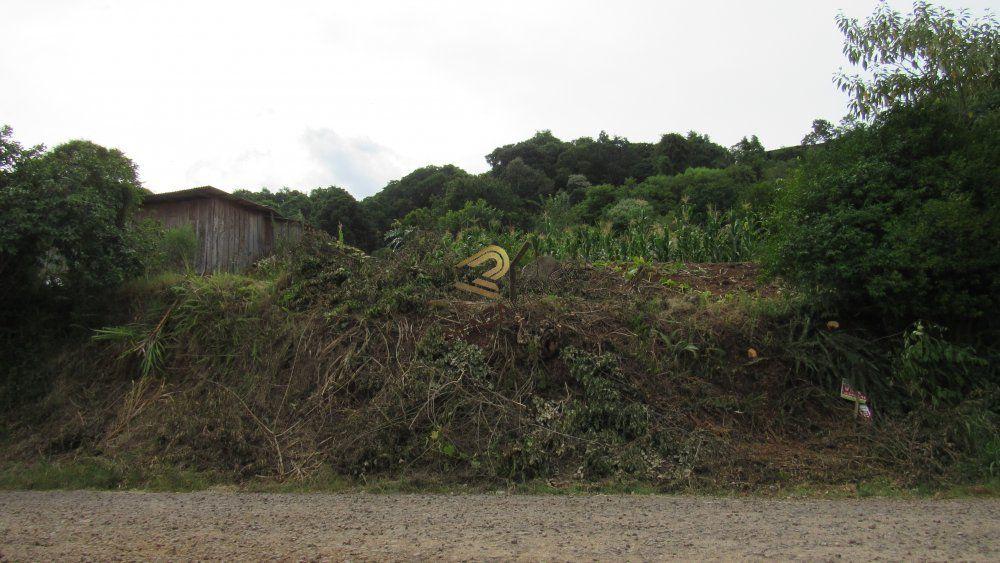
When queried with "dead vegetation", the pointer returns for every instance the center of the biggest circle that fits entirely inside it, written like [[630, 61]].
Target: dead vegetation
[[373, 366]]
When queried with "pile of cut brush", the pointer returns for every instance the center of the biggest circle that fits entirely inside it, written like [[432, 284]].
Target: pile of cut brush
[[682, 375]]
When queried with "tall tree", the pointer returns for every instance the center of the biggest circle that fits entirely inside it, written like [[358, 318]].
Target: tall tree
[[336, 211], [606, 160], [822, 131], [292, 204], [539, 152], [526, 182], [675, 153], [931, 51], [65, 219], [415, 190]]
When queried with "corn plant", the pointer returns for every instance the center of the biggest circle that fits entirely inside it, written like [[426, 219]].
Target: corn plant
[[719, 237]]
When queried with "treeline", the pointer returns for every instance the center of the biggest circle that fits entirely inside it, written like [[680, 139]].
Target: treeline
[[585, 181]]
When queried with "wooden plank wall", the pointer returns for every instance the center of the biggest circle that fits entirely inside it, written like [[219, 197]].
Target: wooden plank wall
[[231, 237]]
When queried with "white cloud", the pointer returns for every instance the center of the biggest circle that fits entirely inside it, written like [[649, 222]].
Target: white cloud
[[359, 164]]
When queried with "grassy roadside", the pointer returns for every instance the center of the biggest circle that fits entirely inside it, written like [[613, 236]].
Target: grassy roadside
[[98, 474], [613, 378]]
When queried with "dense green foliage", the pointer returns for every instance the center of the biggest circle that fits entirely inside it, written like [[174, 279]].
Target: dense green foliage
[[605, 180], [900, 219], [413, 191], [67, 240], [292, 204], [331, 209], [65, 217], [719, 237], [609, 180]]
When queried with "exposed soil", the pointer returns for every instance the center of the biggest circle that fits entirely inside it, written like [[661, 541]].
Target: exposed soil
[[222, 525], [719, 278]]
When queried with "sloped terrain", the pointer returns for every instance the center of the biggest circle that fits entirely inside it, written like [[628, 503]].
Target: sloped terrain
[[684, 376]]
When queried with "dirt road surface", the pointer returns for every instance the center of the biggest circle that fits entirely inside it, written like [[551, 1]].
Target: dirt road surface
[[237, 526]]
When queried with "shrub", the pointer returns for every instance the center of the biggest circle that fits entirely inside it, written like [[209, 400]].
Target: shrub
[[898, 220], [180, 247], [936, 370], [556, 214], [67, 240], [629, 212], [66, 223], [703, 188], [474, 214], [595, 200]]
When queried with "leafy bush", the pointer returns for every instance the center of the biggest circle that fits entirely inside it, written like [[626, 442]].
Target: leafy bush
[[629, 212], [65, 225], [415, 190], [67, 240], [938, 371], [335, 211], [760, 196], [557, 213], [180, 247], [595, 200], [899, 220], [474, 214], [702, 188]]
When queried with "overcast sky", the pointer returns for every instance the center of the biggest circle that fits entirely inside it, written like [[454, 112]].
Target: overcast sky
[[305, 94]]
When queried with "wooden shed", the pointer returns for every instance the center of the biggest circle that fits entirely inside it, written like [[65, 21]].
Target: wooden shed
[[233, 233]]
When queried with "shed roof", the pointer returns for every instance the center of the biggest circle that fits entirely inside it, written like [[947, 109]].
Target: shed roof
[[208, 192]]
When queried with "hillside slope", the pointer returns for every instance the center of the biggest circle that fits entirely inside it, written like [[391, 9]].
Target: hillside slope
[[685, 376]]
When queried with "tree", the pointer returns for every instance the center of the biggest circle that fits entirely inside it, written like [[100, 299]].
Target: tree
[[577, 182], [822, 131], [595, 200], [759, 196], [899, 220], [750, 152], [417, 189], [606, 160], [496, 193], [13, 153], [576, 187], [292, 204], [706, 154], [473, 214], [705, 188], [628, 212], [674, 153], [539, 152], [663, 192], [336, 211], [65, 226], [526, 182], [557, 213], [933, 51]]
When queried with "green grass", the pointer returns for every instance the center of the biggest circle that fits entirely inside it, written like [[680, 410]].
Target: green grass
[[89, 474], [98, 474]]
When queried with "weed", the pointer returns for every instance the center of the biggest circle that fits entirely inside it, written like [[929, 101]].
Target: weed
[[327, 368]]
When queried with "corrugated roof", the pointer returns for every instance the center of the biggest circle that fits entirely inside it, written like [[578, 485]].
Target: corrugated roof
[[208, 192]]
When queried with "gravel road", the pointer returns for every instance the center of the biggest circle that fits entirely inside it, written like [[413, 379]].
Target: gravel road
[[237, 526]]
